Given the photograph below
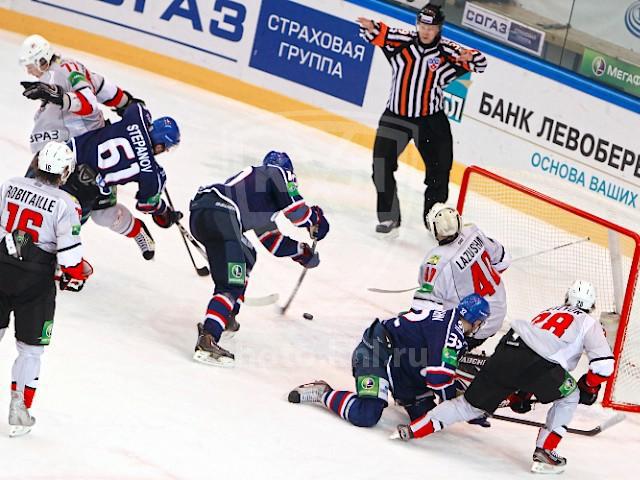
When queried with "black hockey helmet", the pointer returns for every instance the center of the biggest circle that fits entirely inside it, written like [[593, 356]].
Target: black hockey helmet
[[430, 15]]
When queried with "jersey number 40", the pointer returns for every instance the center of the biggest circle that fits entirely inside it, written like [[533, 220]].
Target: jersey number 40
[[483, 284]]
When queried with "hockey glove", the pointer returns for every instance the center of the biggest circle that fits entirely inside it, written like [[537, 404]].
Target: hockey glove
[[73, 278], [43, 91], [520, 402], [319, 226], [306, 257], [588, 393], [168, 218], [403, 433], [130, 101]]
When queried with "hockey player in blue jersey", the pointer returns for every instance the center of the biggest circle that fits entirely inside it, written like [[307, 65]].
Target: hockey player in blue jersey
[[413, 355], [121, 153], [221, 213]]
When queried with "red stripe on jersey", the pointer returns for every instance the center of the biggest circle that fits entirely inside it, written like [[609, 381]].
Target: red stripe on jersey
[[85, 106], [404, 91], [426, 93], [115, 101], [379, 41]]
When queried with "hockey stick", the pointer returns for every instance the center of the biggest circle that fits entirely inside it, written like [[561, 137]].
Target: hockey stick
[[262, 301], [608, 423], [284, 308], [201, 271], [557, 247], [541, 252]]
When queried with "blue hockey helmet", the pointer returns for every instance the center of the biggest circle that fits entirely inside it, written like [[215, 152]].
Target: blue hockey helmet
[[279, 159], [165, 131], [473, 308]]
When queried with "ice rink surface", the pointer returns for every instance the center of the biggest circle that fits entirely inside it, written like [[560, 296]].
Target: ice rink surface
[[121, 398]]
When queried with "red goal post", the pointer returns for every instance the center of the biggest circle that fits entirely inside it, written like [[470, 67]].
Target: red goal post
[[553, 244]]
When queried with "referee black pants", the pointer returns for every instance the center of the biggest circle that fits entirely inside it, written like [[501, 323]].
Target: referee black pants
[[432, 137]]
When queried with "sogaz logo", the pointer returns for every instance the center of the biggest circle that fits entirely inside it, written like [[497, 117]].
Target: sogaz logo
[[632, 19], [598, 66]]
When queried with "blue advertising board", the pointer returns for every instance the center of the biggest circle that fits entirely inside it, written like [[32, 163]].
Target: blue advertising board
[[312, 48]]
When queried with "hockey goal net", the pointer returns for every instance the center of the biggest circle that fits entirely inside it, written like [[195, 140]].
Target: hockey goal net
[[553, 244]]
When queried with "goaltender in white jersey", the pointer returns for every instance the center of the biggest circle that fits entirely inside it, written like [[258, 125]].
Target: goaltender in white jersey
[[466, 261]]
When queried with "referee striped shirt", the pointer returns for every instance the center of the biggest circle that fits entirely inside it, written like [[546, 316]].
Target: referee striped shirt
[[420, 73]]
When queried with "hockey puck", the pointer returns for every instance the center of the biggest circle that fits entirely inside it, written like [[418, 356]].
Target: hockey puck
[[307, 316]]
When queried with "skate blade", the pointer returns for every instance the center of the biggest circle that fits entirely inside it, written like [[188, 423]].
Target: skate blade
[[545, 468], [18, 430], [392, 235], [204, 357]]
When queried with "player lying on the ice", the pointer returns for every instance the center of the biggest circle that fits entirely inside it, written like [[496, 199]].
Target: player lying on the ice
[[536, 357], [413, 355]]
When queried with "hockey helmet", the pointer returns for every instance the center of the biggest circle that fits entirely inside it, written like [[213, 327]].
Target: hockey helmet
[[165, 131], [430, 15], [473, 308], [278, 159], [58, 159], [35, 50], [444, 222], [581, 295]]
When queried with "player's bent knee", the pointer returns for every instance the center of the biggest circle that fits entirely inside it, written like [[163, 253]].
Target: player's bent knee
[[366, 412]]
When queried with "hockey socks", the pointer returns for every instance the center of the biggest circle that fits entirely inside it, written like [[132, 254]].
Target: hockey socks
[[361, 412], [217, 317]]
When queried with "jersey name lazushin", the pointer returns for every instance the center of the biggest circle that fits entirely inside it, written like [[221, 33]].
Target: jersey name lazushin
[[140, 144], [32, 199], [469, 254]]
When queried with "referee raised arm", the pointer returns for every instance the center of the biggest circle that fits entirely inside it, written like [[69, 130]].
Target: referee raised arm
[[422, 65]]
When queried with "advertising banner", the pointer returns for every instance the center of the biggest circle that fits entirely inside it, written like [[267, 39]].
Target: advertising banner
[[509, 31], [614, 72], [312, 48]]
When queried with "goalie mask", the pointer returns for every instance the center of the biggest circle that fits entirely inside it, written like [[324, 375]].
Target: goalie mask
[[444, 222], [581, 295], [58, 159]]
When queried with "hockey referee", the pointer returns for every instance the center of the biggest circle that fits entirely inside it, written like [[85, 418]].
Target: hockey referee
[[422, 64]]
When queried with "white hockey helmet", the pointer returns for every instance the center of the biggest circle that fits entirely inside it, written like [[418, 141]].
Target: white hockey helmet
[[444, 222], [57, 158], [35, 49], [581, 295]]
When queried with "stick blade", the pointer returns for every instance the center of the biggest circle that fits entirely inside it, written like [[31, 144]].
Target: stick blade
[[262, 301]]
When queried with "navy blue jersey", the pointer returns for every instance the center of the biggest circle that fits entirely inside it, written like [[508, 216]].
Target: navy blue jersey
[[426, 346], [258, 194], [121, 153]]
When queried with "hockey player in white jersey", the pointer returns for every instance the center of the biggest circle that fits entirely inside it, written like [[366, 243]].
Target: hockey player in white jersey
[[466, 261], [39, 228], [70, 95], [535, 357]]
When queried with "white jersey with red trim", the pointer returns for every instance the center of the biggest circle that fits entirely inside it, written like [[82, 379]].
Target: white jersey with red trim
[[55, 123], [50, 215], [561, 334], [472, 263]]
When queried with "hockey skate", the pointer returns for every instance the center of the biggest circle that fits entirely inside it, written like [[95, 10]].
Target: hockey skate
[[145, 242], [547, 461], [389, 228], [309, 392], [209, 352], [20, 420]]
